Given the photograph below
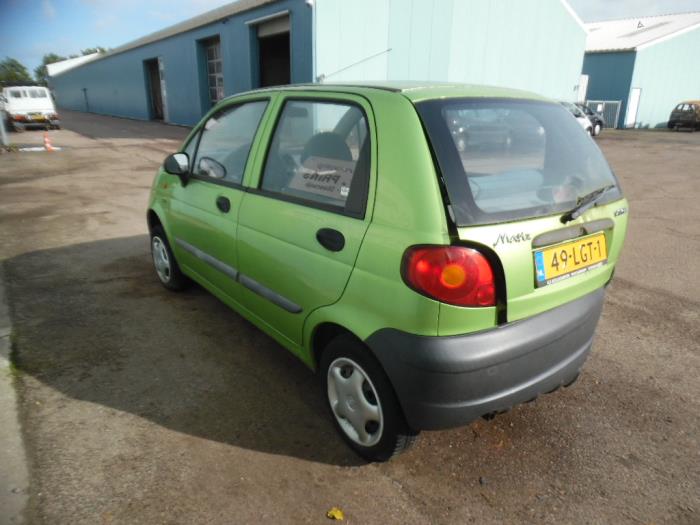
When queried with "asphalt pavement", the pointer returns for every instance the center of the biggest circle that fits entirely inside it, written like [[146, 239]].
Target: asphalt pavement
[[138, 405]]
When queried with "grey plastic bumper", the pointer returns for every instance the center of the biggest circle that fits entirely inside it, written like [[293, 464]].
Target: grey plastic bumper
[[445, 382]]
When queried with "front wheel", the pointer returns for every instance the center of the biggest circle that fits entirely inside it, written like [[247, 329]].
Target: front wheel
[[596, 131], [164, 262], [362, 401]]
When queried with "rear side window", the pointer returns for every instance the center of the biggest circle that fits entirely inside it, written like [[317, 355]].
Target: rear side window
[[225, 142], [503, 160], [37, 93], [320, 155]]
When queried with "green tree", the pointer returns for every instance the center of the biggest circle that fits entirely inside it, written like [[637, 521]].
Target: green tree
[[13, 71], [91, 50], [40, 72]]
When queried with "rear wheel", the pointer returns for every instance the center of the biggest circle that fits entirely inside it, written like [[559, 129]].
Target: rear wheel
[[164, 262], [598, 128], [362, 401]]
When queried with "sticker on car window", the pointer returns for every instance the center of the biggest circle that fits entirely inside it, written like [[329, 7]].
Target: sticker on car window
[[329, 178]]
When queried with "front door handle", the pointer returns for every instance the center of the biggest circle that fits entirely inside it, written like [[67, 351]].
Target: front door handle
[[330, 239], [223, 204]]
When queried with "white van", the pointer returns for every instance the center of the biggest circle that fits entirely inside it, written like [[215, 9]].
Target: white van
[[24, 106]]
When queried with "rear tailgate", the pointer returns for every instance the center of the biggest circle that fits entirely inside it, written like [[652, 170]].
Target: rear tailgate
[[512, 201], [588, 267]]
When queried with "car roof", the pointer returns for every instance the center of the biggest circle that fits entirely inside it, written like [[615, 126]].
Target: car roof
[[414, 91]]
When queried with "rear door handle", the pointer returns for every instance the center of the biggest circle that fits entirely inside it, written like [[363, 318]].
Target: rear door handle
[[330, 239], [223, 204]]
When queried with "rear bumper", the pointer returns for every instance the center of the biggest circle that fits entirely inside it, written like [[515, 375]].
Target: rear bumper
[[444, 382], [36, 121]]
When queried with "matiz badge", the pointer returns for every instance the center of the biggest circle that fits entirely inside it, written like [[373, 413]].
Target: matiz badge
[[510, 239]]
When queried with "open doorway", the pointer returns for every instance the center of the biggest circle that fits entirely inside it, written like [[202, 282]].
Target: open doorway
[[274, 52], [153, 88]]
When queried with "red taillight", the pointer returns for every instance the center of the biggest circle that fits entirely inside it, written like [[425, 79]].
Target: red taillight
[[450, 274], [19, 118]]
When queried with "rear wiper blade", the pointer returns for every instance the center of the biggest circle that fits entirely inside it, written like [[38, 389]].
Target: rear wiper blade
[[585, 203]]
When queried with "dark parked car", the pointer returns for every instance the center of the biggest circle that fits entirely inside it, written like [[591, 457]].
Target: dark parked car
[[685, 115], [597, 120]]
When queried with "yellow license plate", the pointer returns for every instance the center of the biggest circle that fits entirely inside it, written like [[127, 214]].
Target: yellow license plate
[[36, 116], [565, 260]]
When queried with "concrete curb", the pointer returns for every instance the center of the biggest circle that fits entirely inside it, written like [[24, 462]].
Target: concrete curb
[[14, 474]]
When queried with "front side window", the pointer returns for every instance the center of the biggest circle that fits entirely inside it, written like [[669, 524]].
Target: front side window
[[16, 93], [225, 142], [504, 160], [320, 154]]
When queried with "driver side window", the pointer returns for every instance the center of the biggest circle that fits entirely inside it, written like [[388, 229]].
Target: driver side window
[[225, 142]]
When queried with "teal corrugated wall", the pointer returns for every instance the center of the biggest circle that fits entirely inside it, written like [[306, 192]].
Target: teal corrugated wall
[[534, 45], [667, 73], [609, 78]]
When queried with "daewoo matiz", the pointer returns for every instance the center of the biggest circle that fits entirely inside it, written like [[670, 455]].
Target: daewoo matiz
[[428, 283]]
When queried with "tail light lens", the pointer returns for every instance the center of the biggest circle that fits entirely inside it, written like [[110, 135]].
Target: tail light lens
[[450, 274]]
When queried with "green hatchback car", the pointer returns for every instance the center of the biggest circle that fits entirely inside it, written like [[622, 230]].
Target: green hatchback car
[[428, 284]]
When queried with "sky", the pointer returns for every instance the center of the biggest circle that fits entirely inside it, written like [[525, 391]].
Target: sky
[[31, 28]]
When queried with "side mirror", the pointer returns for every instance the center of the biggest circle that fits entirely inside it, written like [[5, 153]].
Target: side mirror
[[178, 164]]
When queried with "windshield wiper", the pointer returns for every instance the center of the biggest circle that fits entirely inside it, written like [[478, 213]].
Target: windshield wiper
[[585, 203]]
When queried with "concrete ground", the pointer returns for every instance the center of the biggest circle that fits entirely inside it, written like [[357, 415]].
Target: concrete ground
[[143, 406]]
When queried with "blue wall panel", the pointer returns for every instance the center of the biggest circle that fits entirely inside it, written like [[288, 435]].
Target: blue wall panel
[[116, 85], [610, 77]]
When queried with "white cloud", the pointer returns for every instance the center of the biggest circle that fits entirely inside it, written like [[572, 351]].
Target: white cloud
[[48, 9]]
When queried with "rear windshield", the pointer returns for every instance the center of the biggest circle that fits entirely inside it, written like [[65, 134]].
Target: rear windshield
[[503, 160]]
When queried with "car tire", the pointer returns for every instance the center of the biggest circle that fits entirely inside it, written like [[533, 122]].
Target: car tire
[[164, 263], [671, 124], [589, 131], [361, 401], [597, 129]]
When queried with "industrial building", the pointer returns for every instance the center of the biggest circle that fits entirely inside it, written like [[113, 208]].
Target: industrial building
[[640, 69], [176, 74]]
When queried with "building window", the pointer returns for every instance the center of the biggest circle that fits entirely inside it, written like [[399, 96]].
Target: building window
[[215, 75]]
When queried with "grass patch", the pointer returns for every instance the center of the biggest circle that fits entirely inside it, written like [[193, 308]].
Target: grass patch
[[13, 371]]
